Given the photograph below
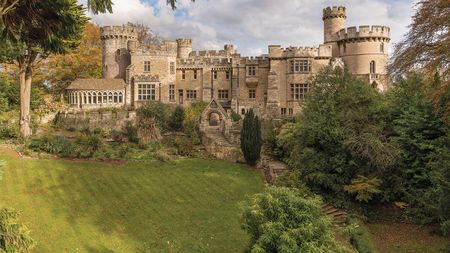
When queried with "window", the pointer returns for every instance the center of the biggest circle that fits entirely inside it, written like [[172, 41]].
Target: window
[[300, 66], [243, 111], [252, 93], [172, 92], [215, 74], [299, 90], [372, 67], [172, 68], [291, 111], [223, 94], [252, 70], [382, 47], [191, 94], [147, 66], [195, 74], [227, 75], [283, 111], [183, 74], [146, 92]]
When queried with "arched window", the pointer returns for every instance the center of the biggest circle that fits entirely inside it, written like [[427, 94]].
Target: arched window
[[99, 97], [120, 97], [372, 67], [105, 97], [89, 98], [85, 98], [94, 97], [110, 98], [115, 98]]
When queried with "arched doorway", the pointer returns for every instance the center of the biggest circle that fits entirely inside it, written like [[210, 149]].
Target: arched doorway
[[214, 119]]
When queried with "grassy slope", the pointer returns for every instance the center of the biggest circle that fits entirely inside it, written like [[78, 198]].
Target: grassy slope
[[73, 206]]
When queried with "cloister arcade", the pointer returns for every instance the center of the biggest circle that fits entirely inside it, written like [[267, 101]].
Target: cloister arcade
[[88, 98]]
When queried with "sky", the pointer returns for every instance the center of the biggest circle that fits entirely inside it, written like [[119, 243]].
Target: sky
[[252, 25]]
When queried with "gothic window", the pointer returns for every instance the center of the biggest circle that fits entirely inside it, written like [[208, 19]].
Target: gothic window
[[146, 92], [300, 66], [251, 70], [172, 93], [223, 94], [252, 93], [172, 68], [183, 74], [372, 67], [94, 98], [110, 98], [116, 98], [85, 98], [191, 94], [147, 66], [120, 97], [105, 97], [215, 74], [299, 90], [195, 74], [227, 75], [99, 97]]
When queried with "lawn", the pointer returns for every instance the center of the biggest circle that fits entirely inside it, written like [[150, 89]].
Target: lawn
[[85, 206]]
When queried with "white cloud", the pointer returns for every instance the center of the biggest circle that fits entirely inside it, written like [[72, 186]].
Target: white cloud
[[253, 24]]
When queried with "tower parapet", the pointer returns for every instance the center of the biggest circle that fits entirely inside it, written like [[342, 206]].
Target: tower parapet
[[121, 31], [364, 32], [334, 12], [184, 48], [333, 21]]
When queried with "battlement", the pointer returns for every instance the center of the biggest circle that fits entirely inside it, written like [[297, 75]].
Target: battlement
[[334, 12], [364, 31], [277, 51], [197, 62], [209, 53], [121, 31], [184, 42]]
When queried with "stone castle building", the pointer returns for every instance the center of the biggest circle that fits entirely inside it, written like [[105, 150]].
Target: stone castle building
[[272, 84]]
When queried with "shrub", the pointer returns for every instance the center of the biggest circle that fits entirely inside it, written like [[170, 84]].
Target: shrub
[[251, 137], [360, 237], [158, 111], [191, 119], [130, 131], [235, 116], [116, 135], [184, 146], [176, 121], [281, 220], [162, 156], [14, 236]]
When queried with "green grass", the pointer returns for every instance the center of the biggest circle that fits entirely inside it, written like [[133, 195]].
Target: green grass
[[76, 206]]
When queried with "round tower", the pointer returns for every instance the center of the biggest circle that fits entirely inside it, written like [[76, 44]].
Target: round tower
[[184, 48], [116, 57], [364, 50], [333, 21]]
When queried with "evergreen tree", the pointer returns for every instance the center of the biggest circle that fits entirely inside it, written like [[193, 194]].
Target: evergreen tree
[[251, 137], [176, 122]]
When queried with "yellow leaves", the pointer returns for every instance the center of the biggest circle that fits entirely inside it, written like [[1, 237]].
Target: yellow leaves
[[400, 204], [365, 188]]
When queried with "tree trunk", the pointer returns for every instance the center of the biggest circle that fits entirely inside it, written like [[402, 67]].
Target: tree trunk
[[25, 99]]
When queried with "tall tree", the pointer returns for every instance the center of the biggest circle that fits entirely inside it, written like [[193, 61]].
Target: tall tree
[[55, 26], [251, 137], [427, 44]]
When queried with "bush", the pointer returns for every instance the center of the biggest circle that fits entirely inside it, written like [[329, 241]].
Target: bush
[[360, 237], [14, 236], [158, 111], [282, 220], [131, 132], [177, 118], [251, 138], [191, 119], [162, 156], [235, 116], [184, 146]]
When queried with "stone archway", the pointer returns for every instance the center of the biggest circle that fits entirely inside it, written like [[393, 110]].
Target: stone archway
[[214, 119]]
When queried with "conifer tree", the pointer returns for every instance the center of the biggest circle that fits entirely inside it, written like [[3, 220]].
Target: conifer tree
[[251, 137]]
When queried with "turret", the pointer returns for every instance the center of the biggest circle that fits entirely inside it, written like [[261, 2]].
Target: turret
[[333, 21], [229, 48], [116, 57], [184, 48]]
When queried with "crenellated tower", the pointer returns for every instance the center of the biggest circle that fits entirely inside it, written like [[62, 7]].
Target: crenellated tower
[[116, 56], [184, 48], [364, 50], [333, 21]]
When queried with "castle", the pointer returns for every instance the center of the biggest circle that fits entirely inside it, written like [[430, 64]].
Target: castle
[[272, 84]]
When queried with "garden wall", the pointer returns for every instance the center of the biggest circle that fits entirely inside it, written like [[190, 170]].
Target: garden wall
[[79, 120]]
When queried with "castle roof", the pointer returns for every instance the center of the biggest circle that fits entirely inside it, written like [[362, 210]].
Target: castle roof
[[97, 84]]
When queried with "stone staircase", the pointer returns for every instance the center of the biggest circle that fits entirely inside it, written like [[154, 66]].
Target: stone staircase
[[216, 145], [338, 217]]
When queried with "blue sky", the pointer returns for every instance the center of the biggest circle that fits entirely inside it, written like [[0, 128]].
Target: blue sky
[[251, 25]]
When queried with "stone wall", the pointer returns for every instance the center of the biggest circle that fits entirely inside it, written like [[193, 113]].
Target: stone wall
[[94, 119]]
